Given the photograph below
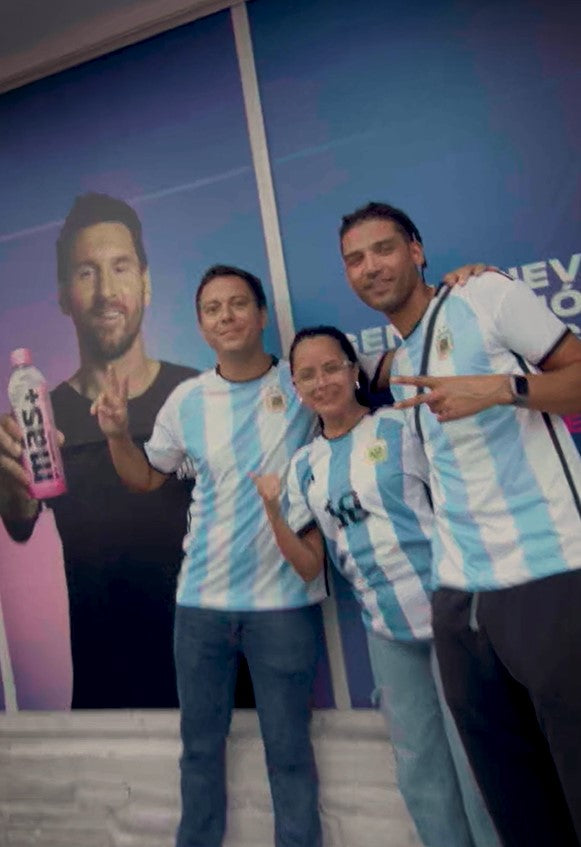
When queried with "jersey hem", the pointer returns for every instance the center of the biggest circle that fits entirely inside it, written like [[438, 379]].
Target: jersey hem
[[472, 589], [285, 607]]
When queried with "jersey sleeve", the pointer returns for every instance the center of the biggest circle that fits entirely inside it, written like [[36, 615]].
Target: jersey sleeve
[[522, 321], [165, 450], [299, 515]]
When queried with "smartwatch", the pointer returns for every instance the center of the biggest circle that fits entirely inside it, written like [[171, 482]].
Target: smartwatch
[[519, 388]]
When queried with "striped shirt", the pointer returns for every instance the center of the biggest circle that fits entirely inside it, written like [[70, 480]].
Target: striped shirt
[[505, 510], [366, 493], [224, 430]]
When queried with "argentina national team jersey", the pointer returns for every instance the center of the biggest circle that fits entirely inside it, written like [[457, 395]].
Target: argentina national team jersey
[[225, 430], [365, 491], [505, 510]]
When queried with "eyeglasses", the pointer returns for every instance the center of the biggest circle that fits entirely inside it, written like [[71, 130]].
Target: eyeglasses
[[307, 378]]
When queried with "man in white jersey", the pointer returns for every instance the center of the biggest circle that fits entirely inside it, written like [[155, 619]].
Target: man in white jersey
[[235, 591], [505, 478]]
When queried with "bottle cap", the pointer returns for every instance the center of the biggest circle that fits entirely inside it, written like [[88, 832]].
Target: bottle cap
[[21, 356]]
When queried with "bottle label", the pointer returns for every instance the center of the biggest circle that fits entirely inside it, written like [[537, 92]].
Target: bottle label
[[41, 455]]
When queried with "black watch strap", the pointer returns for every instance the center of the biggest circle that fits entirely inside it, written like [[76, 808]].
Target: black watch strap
[[519, 387]]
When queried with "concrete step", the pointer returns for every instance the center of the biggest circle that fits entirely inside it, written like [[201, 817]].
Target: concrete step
[[111, 779]]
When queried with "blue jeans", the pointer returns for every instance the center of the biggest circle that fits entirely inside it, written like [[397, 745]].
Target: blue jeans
[[432, 769], [282, 649]]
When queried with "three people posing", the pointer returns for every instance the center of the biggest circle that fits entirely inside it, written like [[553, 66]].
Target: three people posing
[[236, 591]]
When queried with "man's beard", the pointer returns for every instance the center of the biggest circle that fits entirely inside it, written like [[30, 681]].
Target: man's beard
[[398, 298], [103, 347]]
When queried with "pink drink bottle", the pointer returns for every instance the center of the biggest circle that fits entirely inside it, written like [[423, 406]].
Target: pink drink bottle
[[30, 401]]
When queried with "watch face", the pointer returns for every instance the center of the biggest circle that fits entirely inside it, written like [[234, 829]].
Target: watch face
[[520, 390]]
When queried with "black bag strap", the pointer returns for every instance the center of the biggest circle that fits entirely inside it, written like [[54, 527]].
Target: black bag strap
[[555, 441], [426, 353]]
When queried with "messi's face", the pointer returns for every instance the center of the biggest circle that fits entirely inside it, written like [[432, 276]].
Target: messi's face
[[107, 291]]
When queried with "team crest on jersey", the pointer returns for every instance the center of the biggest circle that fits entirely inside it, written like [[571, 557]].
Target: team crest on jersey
[[376, 452], [444, 343], [274, 400]]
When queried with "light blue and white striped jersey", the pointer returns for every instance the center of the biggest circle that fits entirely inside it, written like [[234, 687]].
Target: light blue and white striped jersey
[[366, 493], [505, 510], [226, 430]]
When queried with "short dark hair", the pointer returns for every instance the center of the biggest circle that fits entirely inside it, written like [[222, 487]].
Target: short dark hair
[[362, 393], [253, 282], [385, 212], [90, 209]]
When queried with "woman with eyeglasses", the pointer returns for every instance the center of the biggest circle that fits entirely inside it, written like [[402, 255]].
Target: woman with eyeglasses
[[359, 491]]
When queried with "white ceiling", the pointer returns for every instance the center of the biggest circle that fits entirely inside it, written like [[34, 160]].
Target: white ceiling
[[23, 25], [40, 37]]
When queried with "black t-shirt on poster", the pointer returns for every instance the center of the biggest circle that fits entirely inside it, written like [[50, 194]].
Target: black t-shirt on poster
[[122, 554]]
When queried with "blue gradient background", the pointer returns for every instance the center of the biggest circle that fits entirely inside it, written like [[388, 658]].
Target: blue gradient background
[[463, 114]]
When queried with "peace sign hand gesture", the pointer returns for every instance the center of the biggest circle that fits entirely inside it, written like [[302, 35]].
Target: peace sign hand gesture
[[110, 406], [454, 397]]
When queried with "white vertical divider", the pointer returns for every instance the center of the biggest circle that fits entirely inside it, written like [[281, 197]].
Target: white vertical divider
[[261, 161], [10, 700], [276, 263]]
